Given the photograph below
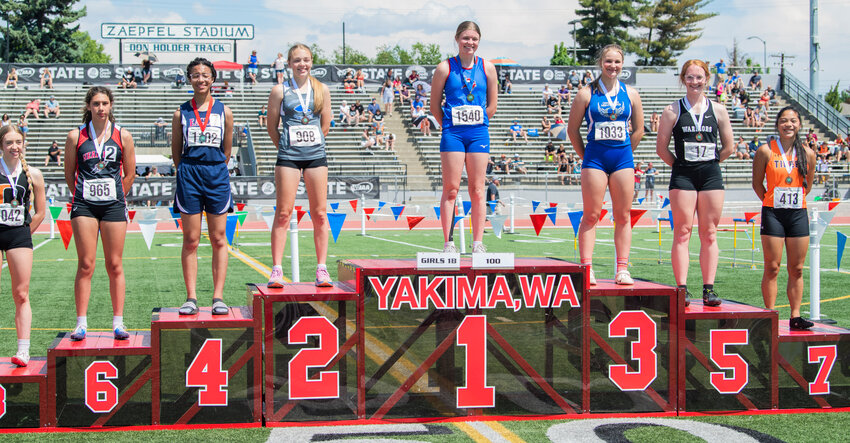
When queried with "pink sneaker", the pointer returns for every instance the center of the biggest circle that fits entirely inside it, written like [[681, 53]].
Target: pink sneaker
[[276, 279], [323, 279]]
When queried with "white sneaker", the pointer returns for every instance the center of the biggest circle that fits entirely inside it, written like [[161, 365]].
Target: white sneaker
[[479, 248], [624, 278], [21, 358], [592, 278], [276, 278], [450, 249]]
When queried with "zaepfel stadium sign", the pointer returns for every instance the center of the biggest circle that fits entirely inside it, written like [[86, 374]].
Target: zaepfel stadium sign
[[176, 31]]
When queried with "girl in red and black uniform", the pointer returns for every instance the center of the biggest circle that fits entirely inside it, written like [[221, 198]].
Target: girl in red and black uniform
[[100, 163]]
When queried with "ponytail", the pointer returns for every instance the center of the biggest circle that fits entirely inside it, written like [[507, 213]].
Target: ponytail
[[318, 95], [94, 90], [26, 170]]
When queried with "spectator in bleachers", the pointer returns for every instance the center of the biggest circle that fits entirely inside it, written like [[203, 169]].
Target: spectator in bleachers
[[545, 94], [279, 66], [518, 165], [653, 122], [561, 150], [564, 94], [371, 109], [516, 129], [744, 96], [736, 83], [360, 80], [404, 95], [412, 78], [720, 68], [491, 165], [492, 195], [553, 104], [361, 111], [45, 78], [649, 175], [764, 99], [420, 119], [154, 172], [741, 149], [545, 126], [146, 71], [761, 117], [367, 140], [549, 152], [503, 165], [348, 81], [160, 129], [558, 120], [390, 145], [378, 118], [5, 120], [755, 81], [812, 136], [753, 146], [344, 117], [574, 79], [587, 78], [262, 116], [397, 84], [843, 151], [507, 84], [823, 150], [638, 180], [24, 126], [252, 67], [421, 95], [51, 107], [12, 78], [720, 93], [54, 154], [564, 169], [387, 97], [128, 80], [749, 117], [179, 80], [33, 108]]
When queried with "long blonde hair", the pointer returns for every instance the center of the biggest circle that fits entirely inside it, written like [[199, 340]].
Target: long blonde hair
[[318, 91], [24, 166]]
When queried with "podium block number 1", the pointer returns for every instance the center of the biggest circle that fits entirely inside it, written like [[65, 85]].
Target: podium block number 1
[[205, 373]]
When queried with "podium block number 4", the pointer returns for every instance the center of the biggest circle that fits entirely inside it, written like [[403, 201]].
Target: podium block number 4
[[101, 394], [205, 373], [739, 378], [301, 385], [643, 351]]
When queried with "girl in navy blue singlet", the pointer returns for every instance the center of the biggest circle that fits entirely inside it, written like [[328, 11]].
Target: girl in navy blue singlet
[[200, 147], [22, 186], [609, 106], [100, 164], [303, 106], [471, 88]]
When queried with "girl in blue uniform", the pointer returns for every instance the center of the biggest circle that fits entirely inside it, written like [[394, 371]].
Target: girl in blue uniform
[[25, 187], [471, 90], [304, 107], [100, 163], [608, 106], [200, 148]]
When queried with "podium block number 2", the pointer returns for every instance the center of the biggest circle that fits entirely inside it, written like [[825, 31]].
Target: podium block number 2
[[326, 384], [205, 373]]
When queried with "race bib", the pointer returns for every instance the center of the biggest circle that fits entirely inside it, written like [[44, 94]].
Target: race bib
[[304, 135], [699, 152], [615, 130], [10, 216], [99, 190], [467, 115], [788, 198], [211, 136]]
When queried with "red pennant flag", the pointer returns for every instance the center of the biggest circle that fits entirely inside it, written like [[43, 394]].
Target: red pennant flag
[[538, 220], [750, 215], [297, 208], [602, 214], [68, 206], [833, 204], [552, 205], [300, 214], [65, 231], [604, 202], [353, 204], [132, 214], [369, 212], [413, 221], [240, 206], [180, 223], [636, 215]]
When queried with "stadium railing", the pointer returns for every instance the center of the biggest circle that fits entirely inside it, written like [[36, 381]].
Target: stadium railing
[[822, 111]]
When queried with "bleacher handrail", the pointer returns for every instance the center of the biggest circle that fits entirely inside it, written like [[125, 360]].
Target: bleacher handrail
[[816, 106]]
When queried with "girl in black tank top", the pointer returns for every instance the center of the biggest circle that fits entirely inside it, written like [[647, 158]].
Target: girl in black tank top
[[23, 188], [695, 139]]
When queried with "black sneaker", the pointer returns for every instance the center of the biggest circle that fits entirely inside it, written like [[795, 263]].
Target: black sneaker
[[687, 299], [800, 323], [710, 298]]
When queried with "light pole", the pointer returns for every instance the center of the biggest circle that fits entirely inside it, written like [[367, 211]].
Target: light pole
[[574, 23], [764, 44]]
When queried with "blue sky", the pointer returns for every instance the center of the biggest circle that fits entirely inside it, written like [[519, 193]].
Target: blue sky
[[510, 27]]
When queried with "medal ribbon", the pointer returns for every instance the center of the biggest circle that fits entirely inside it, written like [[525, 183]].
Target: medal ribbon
[[789, 166], [613, 103], [202, 123], [12, 183], [468, 84], [301, 99], [98, 143], [697, 120]]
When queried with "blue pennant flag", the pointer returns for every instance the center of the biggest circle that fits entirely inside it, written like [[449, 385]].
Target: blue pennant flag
[[335, 206], [552, 212], [230, 227], [467, 205], [437, 210], [640, 200], [575, 220], [842, 241], [336, 219], [492, 204], [174, 216], [457, 219], [534, 205], [397, 210], [666, 202], [381, 205]]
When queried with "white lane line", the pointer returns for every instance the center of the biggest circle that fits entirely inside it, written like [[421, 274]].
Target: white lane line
[[403, 243]]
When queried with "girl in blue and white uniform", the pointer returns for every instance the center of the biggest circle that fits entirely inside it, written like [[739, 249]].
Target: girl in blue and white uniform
[[471, 89]]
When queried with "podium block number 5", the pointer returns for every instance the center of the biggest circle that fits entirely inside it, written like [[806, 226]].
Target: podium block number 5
[[205, 373], [720, 338]]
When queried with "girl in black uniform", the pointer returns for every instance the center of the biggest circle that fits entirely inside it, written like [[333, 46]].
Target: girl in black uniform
[[25, 186], [97, 155], [696, 185]]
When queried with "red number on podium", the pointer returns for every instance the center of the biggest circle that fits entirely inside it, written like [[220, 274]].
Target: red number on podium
[[101, 394], [720, 338], [205, 372], [643, 351], [2, 401], [825, 355], [472, 334], [301, 387]]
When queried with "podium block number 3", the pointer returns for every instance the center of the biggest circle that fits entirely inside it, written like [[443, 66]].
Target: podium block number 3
[[205, 373], [642, 351]]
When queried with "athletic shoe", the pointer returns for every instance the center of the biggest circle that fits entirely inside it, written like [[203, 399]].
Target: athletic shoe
[[592, 278], [479, 248], [21, 358], [450, 249], [276, 279], [710, 298], [688, 299], [190, 307], [79, 333], [219, 308], [323, 279], [121, 333], [623, 277], [800, 323]]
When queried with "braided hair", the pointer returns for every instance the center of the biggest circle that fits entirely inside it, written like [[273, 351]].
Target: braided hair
[[798, 147], [14, 128]]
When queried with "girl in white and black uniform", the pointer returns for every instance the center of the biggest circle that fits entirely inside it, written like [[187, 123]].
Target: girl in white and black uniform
[[100, 163], [25, 188]]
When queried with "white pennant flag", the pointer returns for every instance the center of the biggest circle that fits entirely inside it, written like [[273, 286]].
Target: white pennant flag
[[268, 217], [148, 228], [498, 223], [823, 221]]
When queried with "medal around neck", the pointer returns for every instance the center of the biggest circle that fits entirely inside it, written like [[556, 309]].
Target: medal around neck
[[14, 203]]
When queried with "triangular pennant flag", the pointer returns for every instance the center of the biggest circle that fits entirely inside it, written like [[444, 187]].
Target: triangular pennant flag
[[148, 228], [537, 220], [413, 221], [68, 207], [575, 220], [397, 210], [174, 216], [268, 217], [552, 212], [368, 212], [240, 206], [55, 211], [553, 205], [842, 241], [65, 231], [823, 221], [656, 213], [132, 214], [818, 198], [241, 216], [467, 206], [335, 206], [381, 205], [750, 216], [498, 224], [336, 220], [297, 208], [571, 206], [602, 214], [492, 205], [666, 202], [833, 204], [230, 227], [436, 210], [670, 218], [534, 205], [299, 215], [636, 214], [353, 204], [640, 200], [457, 219]]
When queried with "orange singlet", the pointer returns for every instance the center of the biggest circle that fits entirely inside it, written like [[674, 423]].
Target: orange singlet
[[782, 194]]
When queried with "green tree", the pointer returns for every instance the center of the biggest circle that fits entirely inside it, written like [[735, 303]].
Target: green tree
[[736, 56], [88, 49], [395, 55], [41, 31], [561, 56], [426, 53], [669, 27], [352, 56], [604, 22], [834, 97]]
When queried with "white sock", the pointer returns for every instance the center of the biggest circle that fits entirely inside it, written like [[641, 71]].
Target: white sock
[[475, 243], [321, 266], [278, 267], [24, 345], [81, 321], [448, 243], [117, 320]]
